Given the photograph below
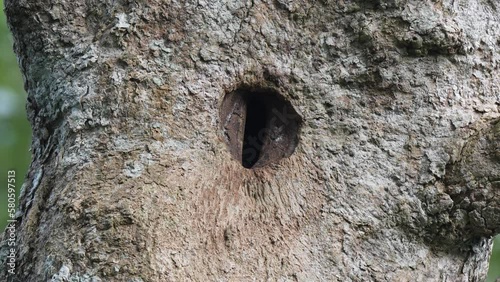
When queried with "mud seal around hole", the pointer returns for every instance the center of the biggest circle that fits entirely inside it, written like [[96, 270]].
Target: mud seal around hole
[[259, 125]]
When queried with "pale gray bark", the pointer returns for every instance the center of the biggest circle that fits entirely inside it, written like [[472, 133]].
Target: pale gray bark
[[136, 174]]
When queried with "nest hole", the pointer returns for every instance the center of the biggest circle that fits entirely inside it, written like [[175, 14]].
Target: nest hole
[[260, 126]]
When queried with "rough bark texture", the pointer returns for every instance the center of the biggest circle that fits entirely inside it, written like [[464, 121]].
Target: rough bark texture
[[396, 176]]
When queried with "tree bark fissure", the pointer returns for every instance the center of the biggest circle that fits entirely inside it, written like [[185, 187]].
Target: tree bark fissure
[[136, 177]]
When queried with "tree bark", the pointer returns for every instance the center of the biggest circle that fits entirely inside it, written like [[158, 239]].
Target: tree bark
[[376, 125]]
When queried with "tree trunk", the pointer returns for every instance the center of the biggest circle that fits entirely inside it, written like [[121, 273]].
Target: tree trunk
[[275, 140]]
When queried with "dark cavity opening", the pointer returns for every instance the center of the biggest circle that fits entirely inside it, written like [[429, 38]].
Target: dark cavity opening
[[255, 131], [259, 125]]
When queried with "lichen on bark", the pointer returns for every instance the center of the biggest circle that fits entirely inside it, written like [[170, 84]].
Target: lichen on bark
[[394, 177]]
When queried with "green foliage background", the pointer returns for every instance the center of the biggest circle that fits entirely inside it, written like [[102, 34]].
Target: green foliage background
[[15, 132]]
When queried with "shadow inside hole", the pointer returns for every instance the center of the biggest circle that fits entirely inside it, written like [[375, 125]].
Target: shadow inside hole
[[260, 126], [255, 131]]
